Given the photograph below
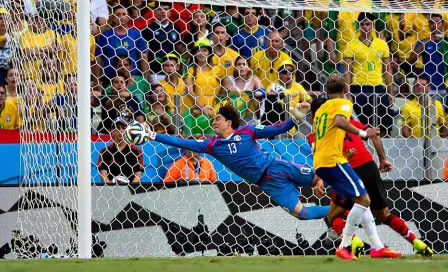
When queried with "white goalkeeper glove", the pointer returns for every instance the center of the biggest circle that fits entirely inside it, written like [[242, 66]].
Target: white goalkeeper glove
[[151, 133], [299, 112]]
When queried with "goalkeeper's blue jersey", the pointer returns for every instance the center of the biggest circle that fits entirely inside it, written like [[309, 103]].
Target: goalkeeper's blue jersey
[[239, 152]]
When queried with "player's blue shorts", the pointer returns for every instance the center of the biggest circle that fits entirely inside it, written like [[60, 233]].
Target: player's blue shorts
[[281, 180], [343, 180]]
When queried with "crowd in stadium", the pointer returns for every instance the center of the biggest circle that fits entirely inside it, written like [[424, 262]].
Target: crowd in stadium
[[145, 55]]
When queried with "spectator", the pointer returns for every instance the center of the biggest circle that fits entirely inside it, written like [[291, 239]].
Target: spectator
[[36, 44], [414, 111], [137, 85], [18, 23], [120, 41], [264, 62], [67, 104], [49, 83], [364, 59], [9, 114], [120, 104], [287, 86], [12, 78], [162, 37], [99, 13], [191, 167], [199, 28], [196, 123], [230, 18], [249, 87], [402, 36], [222, 55], [69, 53], [434, 54], [33, 103], [251, 36], [173, 84], [343, 27], [205, 81], [120, 158], [5, 45], [157, 111], [137, 10], [181, 16]]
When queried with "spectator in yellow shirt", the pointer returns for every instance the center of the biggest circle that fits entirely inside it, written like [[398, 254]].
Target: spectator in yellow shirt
[[413, 112], [9, 114], [263, 62], [191, 167], [364, 60], [222, 55]]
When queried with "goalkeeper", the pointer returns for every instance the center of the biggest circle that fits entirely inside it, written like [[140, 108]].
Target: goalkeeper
[[236, 148]]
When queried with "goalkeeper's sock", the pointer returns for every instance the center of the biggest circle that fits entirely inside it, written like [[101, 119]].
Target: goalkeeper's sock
[[398, 225], [353, 219], [368, 223], [313, 212], [338, 225]]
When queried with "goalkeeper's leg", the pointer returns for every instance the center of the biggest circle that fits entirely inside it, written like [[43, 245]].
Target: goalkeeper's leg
[[280, 182]]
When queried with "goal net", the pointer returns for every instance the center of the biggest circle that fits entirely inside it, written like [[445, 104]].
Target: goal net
[[171, 64]]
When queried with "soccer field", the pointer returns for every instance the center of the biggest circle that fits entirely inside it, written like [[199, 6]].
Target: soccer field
[[230, 264]]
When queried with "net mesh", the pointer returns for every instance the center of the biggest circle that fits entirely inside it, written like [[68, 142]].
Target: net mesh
[[171, 65]]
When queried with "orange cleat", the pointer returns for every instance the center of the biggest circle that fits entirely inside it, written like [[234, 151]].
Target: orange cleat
[[345, 253], [385, 252]]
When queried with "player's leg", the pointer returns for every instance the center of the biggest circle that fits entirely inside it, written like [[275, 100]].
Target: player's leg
[[371, 178], [279, 186], [347, 185], [339, 209]]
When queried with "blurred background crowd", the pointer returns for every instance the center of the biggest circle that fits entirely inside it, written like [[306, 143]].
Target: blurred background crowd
[[171, 64]]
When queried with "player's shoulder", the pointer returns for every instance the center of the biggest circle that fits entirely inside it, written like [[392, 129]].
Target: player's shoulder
[[381, 43]]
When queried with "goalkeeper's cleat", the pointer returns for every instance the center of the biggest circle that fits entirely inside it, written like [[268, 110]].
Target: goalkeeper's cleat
[[422, 248], [384, 252], [357, 247], [299, 112], [345, 253]]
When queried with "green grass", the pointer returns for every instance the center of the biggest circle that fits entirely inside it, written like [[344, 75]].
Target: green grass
[[230, 264]]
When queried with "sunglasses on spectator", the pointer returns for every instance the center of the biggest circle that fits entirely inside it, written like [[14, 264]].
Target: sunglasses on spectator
[[284, 72]]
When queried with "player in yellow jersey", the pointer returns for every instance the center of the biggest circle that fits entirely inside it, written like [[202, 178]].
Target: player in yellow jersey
[[331, 122], [364, 60]]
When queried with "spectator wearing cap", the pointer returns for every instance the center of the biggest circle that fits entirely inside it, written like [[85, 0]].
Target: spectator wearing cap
[[291, 89], [120, 158], [162, 37], [120, 104], [191, 167], [251, 36], [120, 40], [205, 81], [222, 55], [173, 84], [265, 62], [137, 85]]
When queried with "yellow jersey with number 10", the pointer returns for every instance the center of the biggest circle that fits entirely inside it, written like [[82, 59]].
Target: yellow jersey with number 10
[[329, 139]]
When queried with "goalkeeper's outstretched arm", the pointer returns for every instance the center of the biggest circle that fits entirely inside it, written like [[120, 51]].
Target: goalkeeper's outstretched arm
[[193, 145], [273, 130]]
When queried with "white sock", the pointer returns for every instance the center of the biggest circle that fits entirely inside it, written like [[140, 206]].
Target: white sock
[[368, 223], [353, 219]]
